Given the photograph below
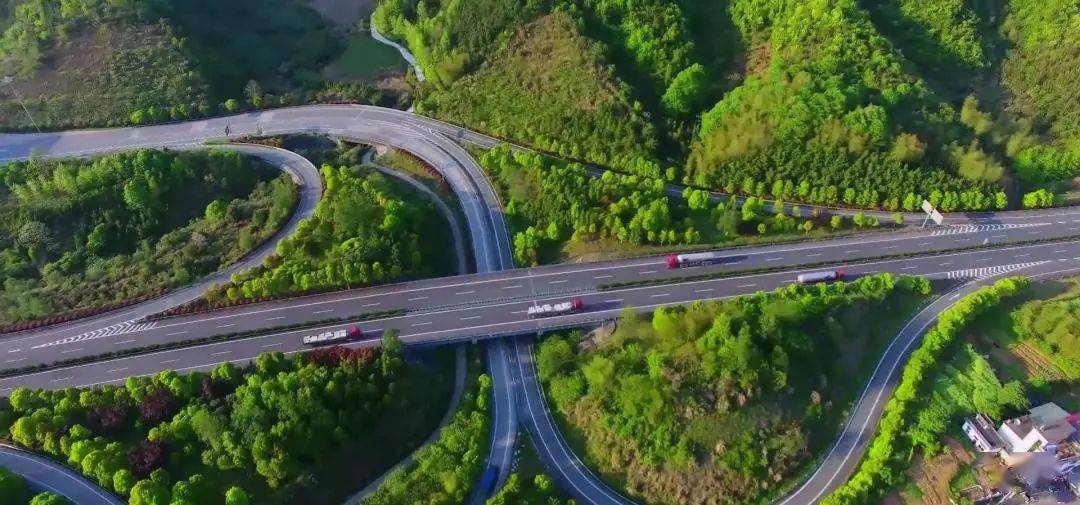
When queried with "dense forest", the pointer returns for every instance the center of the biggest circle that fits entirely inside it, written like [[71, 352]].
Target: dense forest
[[81, 234], [310, 428], [15, 491], [723, 401], [554, 208], [892, 101], [366, 230]]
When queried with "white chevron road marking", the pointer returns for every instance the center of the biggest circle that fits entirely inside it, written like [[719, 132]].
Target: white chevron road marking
[[108, 331]]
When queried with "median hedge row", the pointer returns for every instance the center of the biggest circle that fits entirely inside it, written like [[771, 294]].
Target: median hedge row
[[887, 457], [179, 344]]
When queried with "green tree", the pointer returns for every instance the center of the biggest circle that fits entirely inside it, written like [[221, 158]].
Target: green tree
[[13, 488], [215, 211], [149, 492], [836, 222], [48, 498], [687, 91], [236, 496]]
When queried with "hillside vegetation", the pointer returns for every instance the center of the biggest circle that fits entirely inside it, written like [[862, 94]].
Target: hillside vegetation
[[723, 401], [81, 63], [556, 209], [366, 230], [307, 429], [82, 234], [867, 104], [565, 102]]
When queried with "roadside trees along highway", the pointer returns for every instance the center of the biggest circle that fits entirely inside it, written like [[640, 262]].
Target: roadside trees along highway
[[886, 453]]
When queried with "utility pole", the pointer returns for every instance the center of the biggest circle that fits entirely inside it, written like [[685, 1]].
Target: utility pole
[[7, 80]]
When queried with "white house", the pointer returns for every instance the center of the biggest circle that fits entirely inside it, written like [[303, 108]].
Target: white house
[[1046, 425], [981, 432]]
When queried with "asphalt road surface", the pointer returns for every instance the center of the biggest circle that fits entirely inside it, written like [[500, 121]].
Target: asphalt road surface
[[492, 303], [43, 474], [472, 298]]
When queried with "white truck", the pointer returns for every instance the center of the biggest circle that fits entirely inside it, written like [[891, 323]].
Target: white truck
[[332, 337], [694, 259], [814, 277], [556, 309]]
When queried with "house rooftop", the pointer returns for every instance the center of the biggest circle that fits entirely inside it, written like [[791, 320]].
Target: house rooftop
[[1048, 414], [984, 429], [1020, 426], [1057, 432]]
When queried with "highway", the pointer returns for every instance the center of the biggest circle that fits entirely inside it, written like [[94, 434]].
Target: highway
[[478, 200], [492, 302], [497, 318], [472, 296]]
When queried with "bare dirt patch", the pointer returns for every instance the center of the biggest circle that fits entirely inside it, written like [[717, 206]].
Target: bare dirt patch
[[932, 476]]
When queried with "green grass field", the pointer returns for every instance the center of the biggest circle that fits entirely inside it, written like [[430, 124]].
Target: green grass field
[[365, 59]]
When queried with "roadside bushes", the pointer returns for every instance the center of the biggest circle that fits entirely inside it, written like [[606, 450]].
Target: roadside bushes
[[1038, 199], [366, 230], [444, 472], [885, 458], [551, 202], [812, 174]]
